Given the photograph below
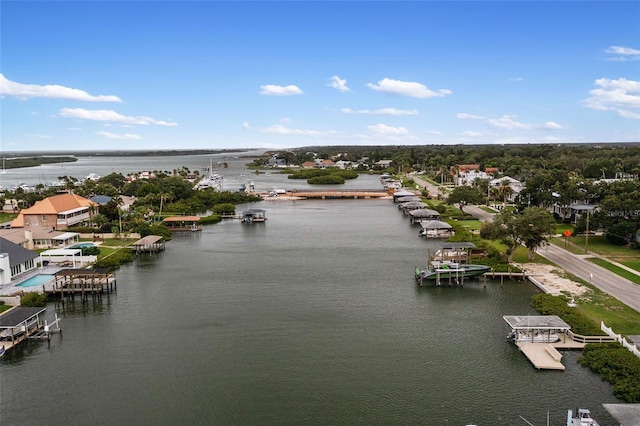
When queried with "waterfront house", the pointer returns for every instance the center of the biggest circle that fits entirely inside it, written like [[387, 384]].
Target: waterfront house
[[515, 185], [15, 260], [56, 213]]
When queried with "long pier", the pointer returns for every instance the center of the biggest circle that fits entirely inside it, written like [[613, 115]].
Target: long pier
[[324, 194]]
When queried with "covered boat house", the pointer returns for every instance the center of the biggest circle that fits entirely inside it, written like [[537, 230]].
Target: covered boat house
[[436, 229], [254, 215], [423, 215], [149, 244], [19, 323], [183, 223], [402, 193], [412, 205]]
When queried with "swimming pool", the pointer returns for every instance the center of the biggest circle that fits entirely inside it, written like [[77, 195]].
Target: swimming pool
[[80, 245], [36, 280]]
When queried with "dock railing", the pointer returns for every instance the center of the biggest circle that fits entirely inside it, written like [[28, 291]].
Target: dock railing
[[589, 339]]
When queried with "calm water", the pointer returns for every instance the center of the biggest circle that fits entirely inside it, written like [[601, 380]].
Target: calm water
[[235, 175], [311, 318]]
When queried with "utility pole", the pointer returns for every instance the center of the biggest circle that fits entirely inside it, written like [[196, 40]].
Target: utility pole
[[586, 235]]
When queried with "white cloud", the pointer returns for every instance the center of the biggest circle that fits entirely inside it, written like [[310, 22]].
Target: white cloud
[[339, 84], [464, 116], [26, 91], [381, 111], [110, 135], [514, 79], [112, 116], [407, 88], [552, 125], [434, 133], [471, 134], [283, 130], [74, 129], [625, 53], [621, 95], [273, 90], [245, 125], [389, 130], [506, 122]]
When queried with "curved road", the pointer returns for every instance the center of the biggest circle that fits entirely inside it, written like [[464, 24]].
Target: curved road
[[622, 289]]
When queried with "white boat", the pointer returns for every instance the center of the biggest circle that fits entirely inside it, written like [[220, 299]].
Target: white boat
[[211, 180], [92, 176], [444, 269], [583, 418], [533, 337]]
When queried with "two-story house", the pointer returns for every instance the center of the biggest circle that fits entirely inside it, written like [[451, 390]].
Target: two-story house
[[59, 212]]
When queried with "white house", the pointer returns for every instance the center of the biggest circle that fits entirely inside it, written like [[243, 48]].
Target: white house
[[14, 260]]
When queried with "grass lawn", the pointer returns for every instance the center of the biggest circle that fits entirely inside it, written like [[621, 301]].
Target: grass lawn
[[600, 306], [6, 217], [471, 225], [123, 242], [616, 270], [5, 308]]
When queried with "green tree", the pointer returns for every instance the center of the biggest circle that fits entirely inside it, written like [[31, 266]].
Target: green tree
[[531, 228], [464, 195]]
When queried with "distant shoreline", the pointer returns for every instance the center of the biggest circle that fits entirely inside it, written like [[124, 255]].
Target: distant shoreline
[[120, 153]]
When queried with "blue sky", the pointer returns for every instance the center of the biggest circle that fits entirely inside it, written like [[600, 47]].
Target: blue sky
[[208, 75]]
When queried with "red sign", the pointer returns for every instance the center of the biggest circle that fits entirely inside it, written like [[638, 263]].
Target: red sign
[[567, 233]]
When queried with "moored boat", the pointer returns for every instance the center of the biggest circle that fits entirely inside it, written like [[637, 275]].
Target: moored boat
[[446, 269], [535, 337], [583, 418]]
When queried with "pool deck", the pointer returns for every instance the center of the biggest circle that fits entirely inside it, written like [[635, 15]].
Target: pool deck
[[12, 288]]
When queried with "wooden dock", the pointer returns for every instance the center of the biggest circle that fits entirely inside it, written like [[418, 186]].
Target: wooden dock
[[83, 282], [543, 356]]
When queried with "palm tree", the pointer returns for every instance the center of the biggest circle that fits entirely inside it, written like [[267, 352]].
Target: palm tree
[[505, 190], [165, 196]]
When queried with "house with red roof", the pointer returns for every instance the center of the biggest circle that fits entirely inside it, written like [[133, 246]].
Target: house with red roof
[[56, 213]]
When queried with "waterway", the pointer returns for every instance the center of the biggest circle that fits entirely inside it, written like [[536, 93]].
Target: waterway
[[311, 318]]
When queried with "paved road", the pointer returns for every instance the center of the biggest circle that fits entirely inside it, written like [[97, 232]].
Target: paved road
[[622, 289]]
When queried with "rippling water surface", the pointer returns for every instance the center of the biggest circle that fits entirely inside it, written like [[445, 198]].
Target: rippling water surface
[[310, 318]]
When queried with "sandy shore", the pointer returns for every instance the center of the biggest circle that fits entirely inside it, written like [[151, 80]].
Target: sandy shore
[[554, 279]]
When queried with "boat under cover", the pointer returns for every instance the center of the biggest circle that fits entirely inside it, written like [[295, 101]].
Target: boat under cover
[[448, 269]]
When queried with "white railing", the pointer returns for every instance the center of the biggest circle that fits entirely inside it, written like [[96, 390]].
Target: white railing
[[630, 346], [589, 339]]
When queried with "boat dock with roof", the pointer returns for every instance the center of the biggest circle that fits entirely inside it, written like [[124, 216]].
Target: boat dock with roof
[[20, 323], [540, 336]]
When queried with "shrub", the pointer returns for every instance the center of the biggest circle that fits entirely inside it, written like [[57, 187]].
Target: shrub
[[33, 299], [90, 251], [207, 220], [116, 259], [616, 365], [224, 208], [326, 180], [547, 304]]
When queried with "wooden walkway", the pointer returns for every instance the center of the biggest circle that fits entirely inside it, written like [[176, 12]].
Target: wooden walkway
[[545, 356]]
